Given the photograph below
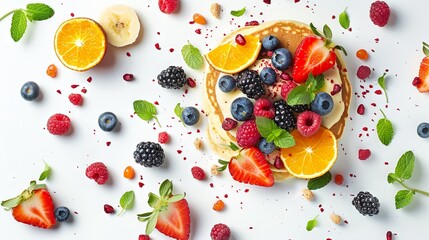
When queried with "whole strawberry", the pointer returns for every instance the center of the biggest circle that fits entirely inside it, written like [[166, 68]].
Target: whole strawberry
[[168, 6]]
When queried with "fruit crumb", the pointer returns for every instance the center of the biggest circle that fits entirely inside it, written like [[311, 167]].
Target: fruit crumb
[[219, 205], [200, 19], [51, 71], [362, 54], [215, 10], [335, 218], [307, 194], [198, 143], [129, 172], [214, 170]]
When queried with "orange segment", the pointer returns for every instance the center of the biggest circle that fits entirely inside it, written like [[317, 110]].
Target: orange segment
[[311, 156], [80, 43], [233, 58]]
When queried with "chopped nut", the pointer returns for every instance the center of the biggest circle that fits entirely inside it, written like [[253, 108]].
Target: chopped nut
[[198, 143], [215, 9], [214, 170], [308, 194], [335, 218]]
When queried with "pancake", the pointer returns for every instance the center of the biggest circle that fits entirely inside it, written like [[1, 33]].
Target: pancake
[[216, 104]]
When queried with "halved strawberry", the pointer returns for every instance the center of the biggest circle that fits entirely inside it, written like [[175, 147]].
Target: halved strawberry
[[315, 54], [251, 167], [170, 215], [34, 206], [423, 84]]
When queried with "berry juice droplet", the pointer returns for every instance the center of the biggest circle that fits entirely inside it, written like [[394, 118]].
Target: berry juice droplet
[[389, 235]]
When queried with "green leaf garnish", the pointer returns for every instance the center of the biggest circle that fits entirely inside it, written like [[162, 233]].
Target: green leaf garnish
[[238, 13], [39, 11], [178, 111], [145, 110], [327, 32], [26, 194], [327, 36], [381, 82], [305, 94], [403, 198], [344, 19], [405, 166], [46, 172], [385, 130], [126, 201], [272, 133], [319, 182], [426, 49], [19, 25], [223, 165], [233, 147], [192, 56], [311, 224]]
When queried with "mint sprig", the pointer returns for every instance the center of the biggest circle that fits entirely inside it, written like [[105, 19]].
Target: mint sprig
[[385, 130], [33, 12], [404, 171], [319, 182], [344, 19], [273, 133], [381, 82], [145, 110], [126, 201], [305, 94], [192, 56], [238, 13], [311, 224]]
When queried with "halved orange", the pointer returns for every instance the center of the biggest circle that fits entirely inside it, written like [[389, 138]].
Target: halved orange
[[233, 58], [80, 43], [311, 156]]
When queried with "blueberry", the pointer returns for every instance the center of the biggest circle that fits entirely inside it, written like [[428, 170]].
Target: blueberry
[[226, 83], [268, 76], [190, 116], [62, 214], [241, 109], [281, 59], [107, 121], [423, 130], [266, 147], [270, 42], [30, 91], [322, 104]]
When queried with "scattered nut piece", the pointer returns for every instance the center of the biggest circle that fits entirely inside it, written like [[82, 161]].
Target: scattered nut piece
[[215, 9], [308, 194], [198, 143], [214, 170], [335, 218]]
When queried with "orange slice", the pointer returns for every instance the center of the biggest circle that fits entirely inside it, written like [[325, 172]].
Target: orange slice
[[80, 43], [311, 156], [233, 58]]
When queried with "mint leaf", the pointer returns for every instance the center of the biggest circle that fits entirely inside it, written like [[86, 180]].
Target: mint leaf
[[233, 146], [319, 182], [272, 133], [381, 82], [192, 56], [405, 166], [265, 126], [46, 172], [344, 19], [126, 201], [315, 83], [300, 95], [238, 13], [145, 110], [385, 130], [403, 198], [285, 140], [391, 178], [19, 25], [311, 224], [39, 11], [178, 111]]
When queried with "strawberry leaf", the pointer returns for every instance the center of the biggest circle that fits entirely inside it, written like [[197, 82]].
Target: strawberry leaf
[[233, 147], [314, 30], [176, 198], [327, 32], [426, 49], [153, 200], [166, 188], [11, 203], [151, 222]]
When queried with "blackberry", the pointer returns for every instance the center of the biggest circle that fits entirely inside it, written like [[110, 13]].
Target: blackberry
[[172, 78], [366, 204], [149, 154], [300, 108], [284, 117], [249, 82]]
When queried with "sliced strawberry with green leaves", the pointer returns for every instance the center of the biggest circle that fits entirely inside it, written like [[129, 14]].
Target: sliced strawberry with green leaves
[[34, 206], [251, 167], [170, 215], [315, 54], [423, 84]]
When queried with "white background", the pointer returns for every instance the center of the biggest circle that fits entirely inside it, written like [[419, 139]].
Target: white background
[[279, 212]]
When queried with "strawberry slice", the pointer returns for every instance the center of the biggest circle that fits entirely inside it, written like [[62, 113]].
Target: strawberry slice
[[34, 206], [251, 167], [170, 215], [423, 84], [315, 54]]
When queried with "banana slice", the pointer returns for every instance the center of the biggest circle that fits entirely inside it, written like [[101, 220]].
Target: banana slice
[[121, 24]]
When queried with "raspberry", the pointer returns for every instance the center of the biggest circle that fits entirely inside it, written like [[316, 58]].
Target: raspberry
[[144, 237], [229, 124], [364, 154], [339, 179], [198, 173], [220, 231], [58, 124], [264, 108], [168, 6], [363, 72], [108, 209], [97, 171], [287, 87], [308, 123], [76, 99], [361, 109], [247, 134], [163, 137], [379, 13]]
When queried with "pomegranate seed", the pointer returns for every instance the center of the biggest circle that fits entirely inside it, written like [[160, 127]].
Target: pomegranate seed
[[108, 209], [416, 81], [364, 154], [278, 163], [389, 235], [128, 77], [361, 109], [339, 179], [378, 92], [240, 40], [191, 82], [252, 23], [267, 1], [337, 88]]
